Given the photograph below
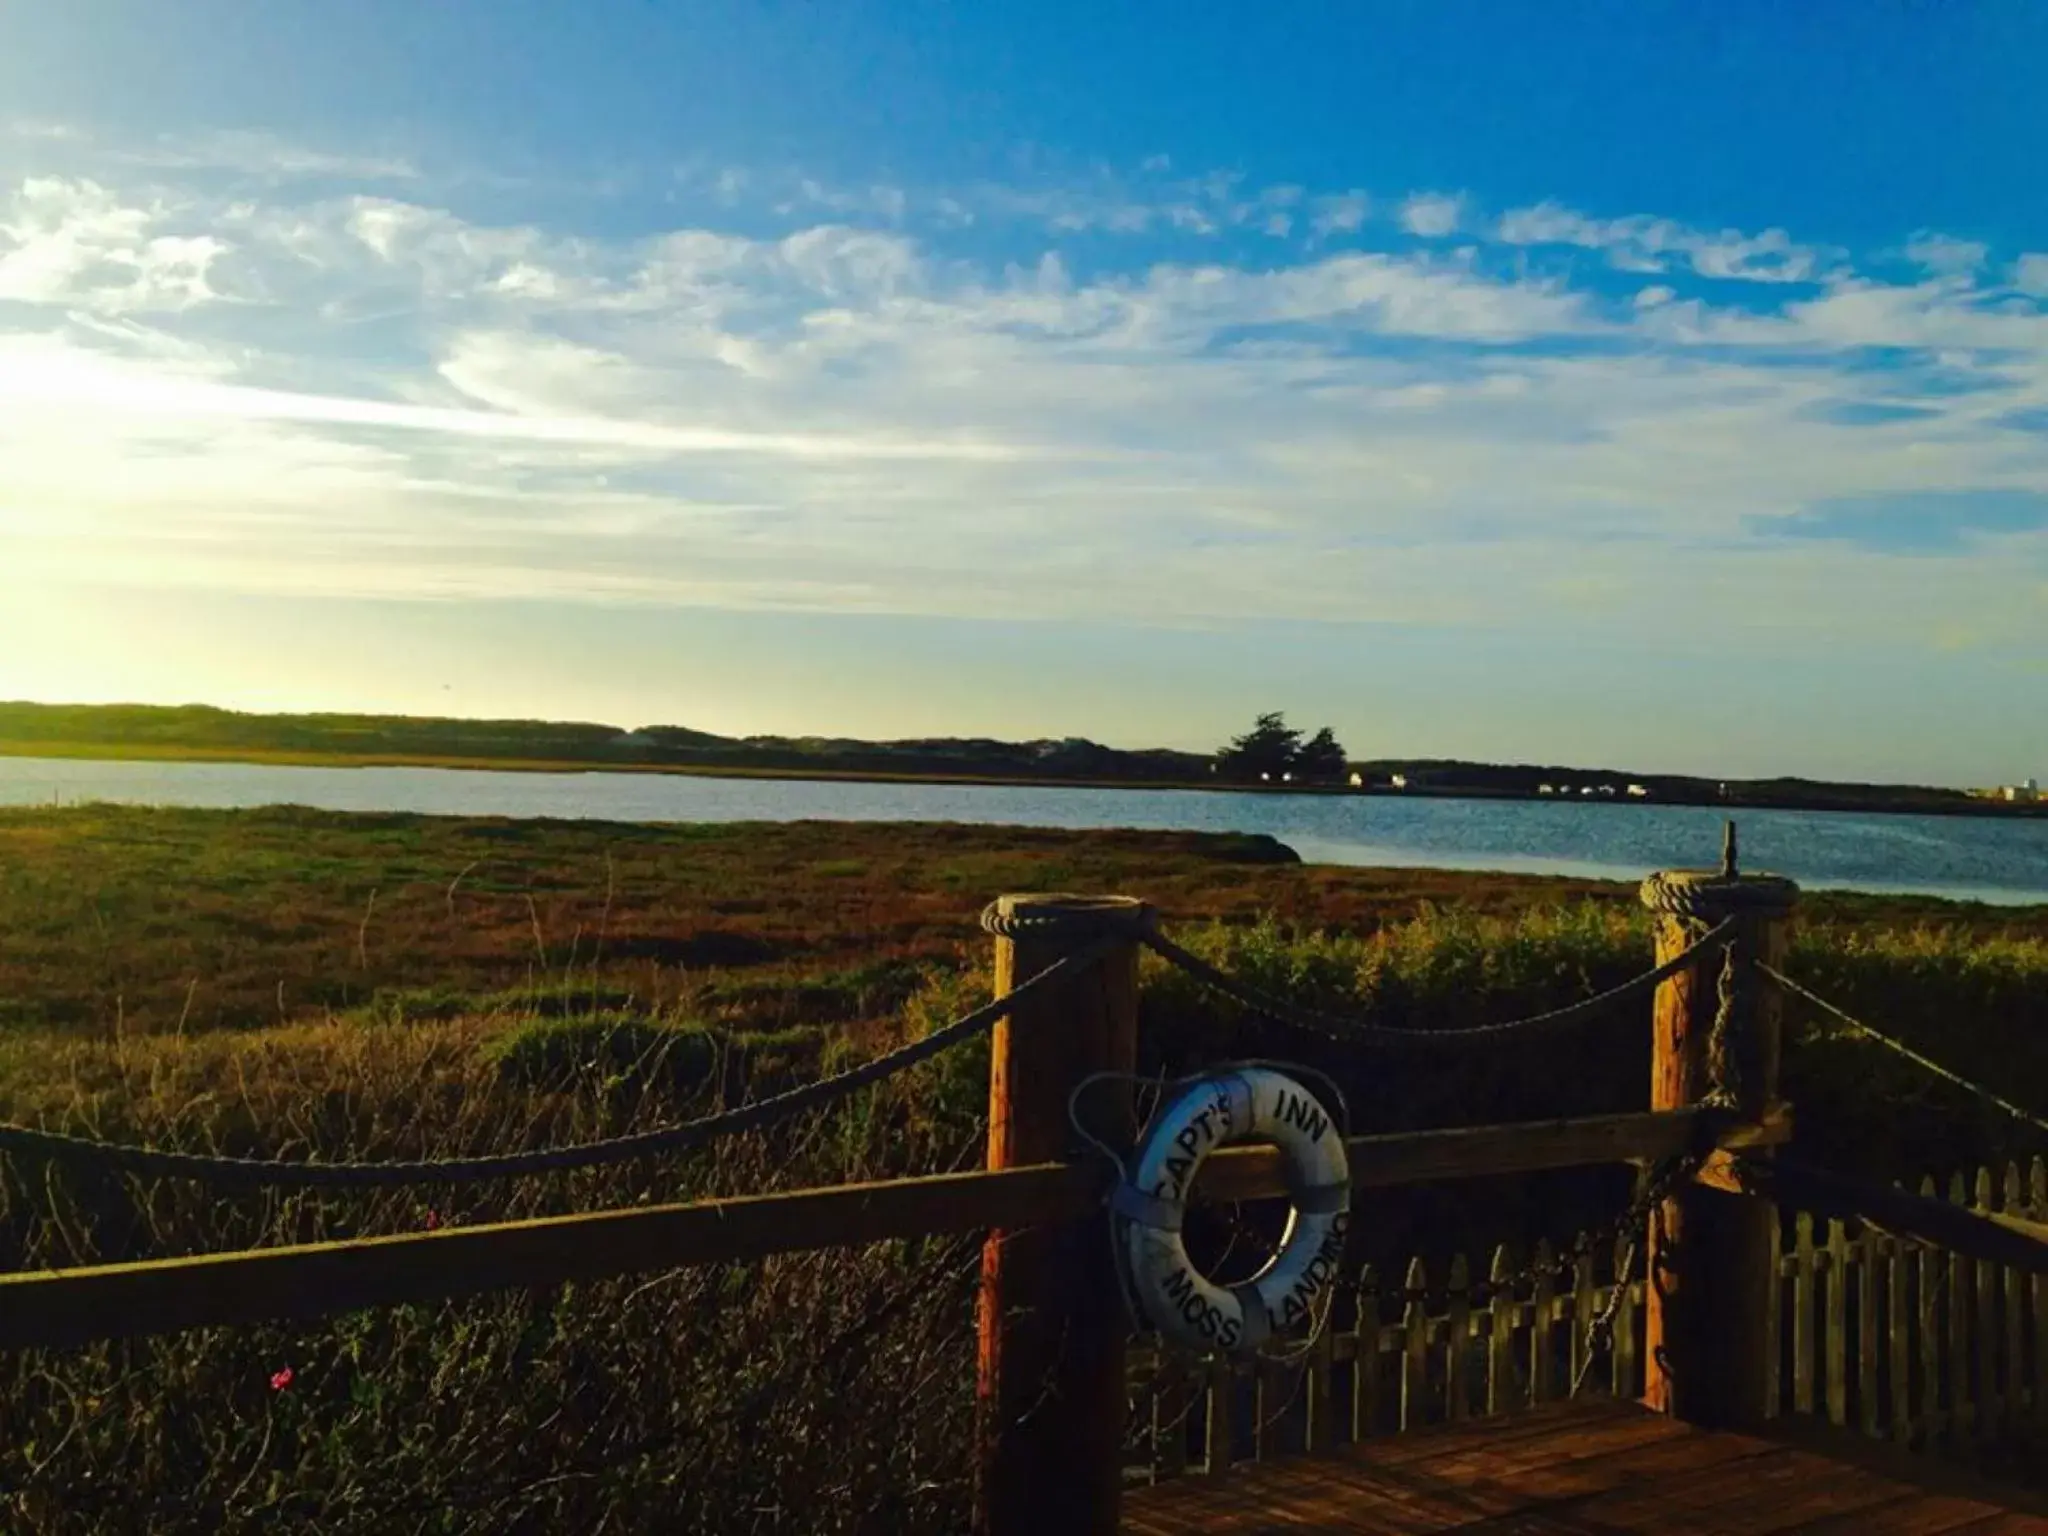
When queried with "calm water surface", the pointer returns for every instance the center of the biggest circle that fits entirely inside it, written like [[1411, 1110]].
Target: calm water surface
[[1971, 858]]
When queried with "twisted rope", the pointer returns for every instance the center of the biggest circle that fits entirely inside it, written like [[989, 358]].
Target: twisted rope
[[1724, 1063], [1926, 1063], [1357, 1031], [1706, 898], [687, 1135]]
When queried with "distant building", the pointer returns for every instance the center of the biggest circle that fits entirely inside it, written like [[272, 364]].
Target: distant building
[[1358, 781], [1546, 789], [1638, 792], [2030, 790], [1399, 781]]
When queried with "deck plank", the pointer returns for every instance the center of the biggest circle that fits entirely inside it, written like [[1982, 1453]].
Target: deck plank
[[1565, 1469], [1912, 1514]]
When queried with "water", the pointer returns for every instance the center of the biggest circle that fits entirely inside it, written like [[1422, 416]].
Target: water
[[1966, 858]]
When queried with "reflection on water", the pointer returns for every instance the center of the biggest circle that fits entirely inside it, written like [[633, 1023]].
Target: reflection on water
[[1972, 858]]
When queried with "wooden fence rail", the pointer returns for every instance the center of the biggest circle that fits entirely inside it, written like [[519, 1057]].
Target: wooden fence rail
[[66, 1307], [1902, 1340], [1438, 1346], [1888, 1336]]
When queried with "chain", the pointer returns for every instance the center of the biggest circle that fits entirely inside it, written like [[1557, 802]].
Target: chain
[[1656, 1186]]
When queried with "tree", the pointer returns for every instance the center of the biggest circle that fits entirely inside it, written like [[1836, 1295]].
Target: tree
[[1267, 751], [1321, 759], [1272, 751]]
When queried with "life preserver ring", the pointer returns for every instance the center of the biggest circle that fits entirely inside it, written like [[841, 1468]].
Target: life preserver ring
[[1164, 1286]]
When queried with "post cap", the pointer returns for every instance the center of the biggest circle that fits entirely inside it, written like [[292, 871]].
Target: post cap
[[1711, 895], [1050, 914]]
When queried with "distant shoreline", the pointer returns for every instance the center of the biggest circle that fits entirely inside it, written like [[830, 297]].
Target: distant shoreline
[[260, 757]]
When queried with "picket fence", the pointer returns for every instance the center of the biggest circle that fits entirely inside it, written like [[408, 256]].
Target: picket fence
[[1875, 1333]]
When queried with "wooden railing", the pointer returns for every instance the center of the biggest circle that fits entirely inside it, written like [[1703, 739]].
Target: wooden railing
[[57, 1308], [1435, 1347], [1903, 1340], [1886, 1336]]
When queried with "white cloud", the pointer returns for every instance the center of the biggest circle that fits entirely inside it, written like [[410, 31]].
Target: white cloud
[[1640, 243], [858, 410], [531, 393], [265, 156], [1343, 213], [2030, 273], [1432, 215], [851, 264], [76, 243], [42, 131], [1945, 255], [1770, 257]]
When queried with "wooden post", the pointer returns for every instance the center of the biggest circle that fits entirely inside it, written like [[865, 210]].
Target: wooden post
[[1712, 1282], [1051, 1392]]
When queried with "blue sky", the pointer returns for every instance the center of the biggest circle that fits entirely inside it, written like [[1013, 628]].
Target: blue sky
[[1481, 379]]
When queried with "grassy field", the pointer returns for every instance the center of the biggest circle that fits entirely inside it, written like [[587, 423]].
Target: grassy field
[[287, 982]]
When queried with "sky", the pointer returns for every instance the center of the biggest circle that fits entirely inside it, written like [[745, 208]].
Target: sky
[[1660, 386]]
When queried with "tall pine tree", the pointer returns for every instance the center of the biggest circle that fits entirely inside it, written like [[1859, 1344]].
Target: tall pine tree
[[1321, 759], [1267, 750]]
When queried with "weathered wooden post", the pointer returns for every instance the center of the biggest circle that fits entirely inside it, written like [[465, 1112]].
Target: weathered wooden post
[[1712, 1289], [1050, 1394]]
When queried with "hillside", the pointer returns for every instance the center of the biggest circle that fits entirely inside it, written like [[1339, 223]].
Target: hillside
[[137, 730], [132, 730]]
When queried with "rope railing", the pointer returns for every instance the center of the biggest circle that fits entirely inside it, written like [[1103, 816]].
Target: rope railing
[[1350, 1030], [1899, 1047], [1096, 932], [684, 1136]]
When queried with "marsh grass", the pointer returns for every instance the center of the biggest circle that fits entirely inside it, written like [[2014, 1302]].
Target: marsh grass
[[811, 1392], [227, 984]]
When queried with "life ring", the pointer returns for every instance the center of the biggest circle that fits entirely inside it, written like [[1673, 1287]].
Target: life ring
[[1164, 1286]]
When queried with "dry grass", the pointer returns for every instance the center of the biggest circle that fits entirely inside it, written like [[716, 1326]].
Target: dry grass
[[805, 1393]]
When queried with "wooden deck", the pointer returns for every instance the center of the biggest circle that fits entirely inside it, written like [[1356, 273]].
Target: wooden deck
[[1589, 1469]]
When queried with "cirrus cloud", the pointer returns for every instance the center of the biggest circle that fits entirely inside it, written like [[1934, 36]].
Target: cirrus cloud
[[1158, 397]]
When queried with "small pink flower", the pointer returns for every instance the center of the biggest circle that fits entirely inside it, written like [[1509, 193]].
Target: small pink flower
[[279, 1380], [433, 1221]]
